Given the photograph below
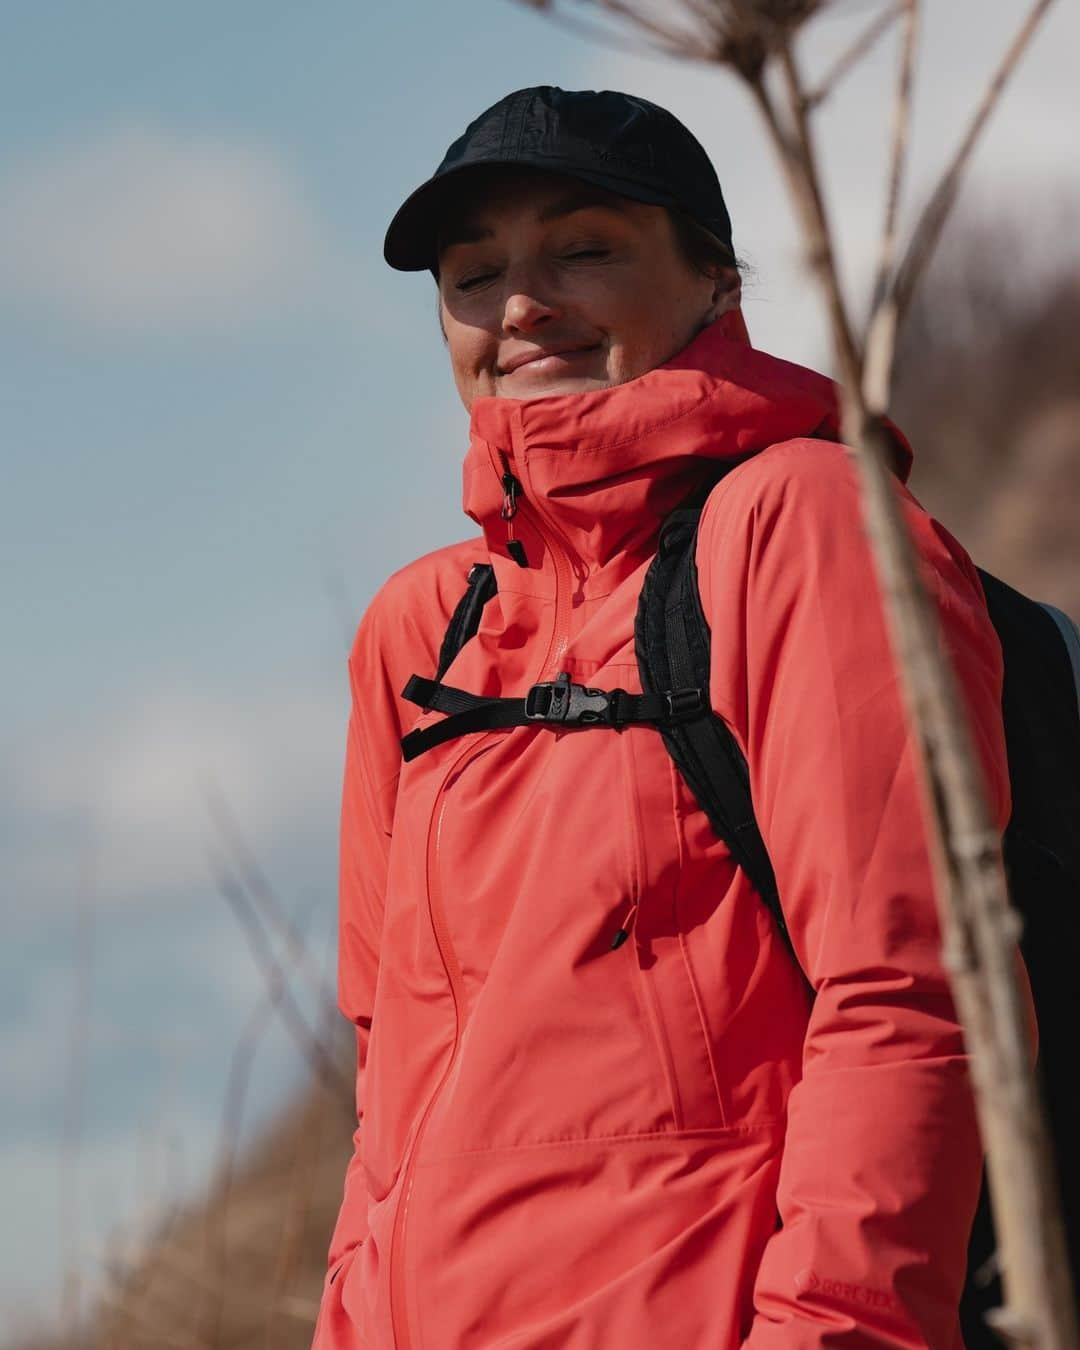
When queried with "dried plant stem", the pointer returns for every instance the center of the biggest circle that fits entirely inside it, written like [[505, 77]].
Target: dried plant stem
[[880, 345], [309, 1043], [216, 1228], [927, 232], [75, 1102], [799, 163], [298, 1203], [609, 37], [979, 927], [901, 124], [257, 886], [670, 39], [862, 46]]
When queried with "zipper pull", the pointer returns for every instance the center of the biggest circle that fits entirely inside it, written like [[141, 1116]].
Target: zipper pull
[[511, 488], [625, 928]]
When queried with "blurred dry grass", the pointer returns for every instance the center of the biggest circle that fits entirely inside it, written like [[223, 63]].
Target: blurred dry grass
[[988, 389], [243, 1264]]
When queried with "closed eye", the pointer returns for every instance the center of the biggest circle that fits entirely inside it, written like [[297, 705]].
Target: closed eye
[[470, 283]]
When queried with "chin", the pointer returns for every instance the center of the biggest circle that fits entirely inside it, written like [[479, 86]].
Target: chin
[[555, 388]]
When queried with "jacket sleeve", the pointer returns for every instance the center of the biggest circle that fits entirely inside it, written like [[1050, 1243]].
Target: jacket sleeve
[[882, 1158], [372, 761]]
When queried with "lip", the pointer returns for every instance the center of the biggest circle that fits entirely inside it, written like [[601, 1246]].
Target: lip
[[531, 358]]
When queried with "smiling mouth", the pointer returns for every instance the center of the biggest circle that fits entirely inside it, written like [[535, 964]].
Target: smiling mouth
[[551, 361]]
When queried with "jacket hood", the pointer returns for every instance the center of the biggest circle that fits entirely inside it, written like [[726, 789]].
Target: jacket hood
[[604, 468]]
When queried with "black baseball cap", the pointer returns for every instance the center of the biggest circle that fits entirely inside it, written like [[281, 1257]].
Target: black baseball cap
[[616, 141]]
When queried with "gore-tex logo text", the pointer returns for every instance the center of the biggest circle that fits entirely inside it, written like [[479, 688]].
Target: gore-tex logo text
[[810, 1282]]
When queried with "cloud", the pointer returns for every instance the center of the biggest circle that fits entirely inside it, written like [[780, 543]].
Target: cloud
[[128, 793], [143, 229]]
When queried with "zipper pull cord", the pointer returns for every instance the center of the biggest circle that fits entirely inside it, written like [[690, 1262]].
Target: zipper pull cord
[[511, 488], [625, 928]]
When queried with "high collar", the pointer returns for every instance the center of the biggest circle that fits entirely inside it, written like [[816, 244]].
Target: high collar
[[602, 469]]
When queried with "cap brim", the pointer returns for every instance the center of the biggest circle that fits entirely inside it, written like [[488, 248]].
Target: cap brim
[[410, 244]]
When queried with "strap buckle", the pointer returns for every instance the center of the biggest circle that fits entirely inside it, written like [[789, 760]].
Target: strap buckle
[[684, 704], [571, 704]]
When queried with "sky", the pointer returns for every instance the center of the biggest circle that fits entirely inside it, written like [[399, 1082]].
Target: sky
[[224, 421]]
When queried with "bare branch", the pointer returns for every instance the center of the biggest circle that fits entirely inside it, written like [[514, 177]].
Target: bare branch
[[316, 1053], [707, 12], [298, 1203], [604, 37], [901, 128], [927, 231], [679, 43], [851, 56], [739, 34], [75, 1097], [216, 1227], [880, 348], [898, 154], [806, 180], [260, 891], [979, 927]]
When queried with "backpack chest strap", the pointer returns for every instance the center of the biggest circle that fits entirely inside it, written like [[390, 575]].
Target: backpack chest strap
[[556, 702]]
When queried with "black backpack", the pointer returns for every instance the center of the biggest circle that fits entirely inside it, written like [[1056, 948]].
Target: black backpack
[[1041, 846]]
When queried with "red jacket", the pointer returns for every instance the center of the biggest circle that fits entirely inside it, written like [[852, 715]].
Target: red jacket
[[567, 1147]]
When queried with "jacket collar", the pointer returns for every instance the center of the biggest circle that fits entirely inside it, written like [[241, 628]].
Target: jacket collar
[[602, 469]]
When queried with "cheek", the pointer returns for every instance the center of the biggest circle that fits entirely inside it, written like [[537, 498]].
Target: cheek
[[471, 356], [471, 349], [466, 354], [643, 341]]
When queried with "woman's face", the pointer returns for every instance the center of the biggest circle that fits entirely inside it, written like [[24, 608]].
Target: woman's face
[[550, 286]]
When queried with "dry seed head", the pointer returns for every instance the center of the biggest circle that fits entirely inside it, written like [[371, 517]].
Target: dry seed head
[[761, 23], [741, 34]]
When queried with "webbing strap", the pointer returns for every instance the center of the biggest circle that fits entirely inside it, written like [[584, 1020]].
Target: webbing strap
[[465, 619], [673, 647], [713, 749], [555, 702]]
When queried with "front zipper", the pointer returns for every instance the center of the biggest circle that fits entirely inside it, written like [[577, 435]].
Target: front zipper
[[560, 640], [511, 488], [399, 1313], [514, 503], [560, 636]]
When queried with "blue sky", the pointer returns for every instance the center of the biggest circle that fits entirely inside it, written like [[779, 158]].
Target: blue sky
[[224, 421]]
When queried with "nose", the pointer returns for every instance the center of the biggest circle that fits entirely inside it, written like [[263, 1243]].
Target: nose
[[525, 310]]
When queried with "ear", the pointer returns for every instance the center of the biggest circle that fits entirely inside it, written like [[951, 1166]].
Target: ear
[[727, 292]]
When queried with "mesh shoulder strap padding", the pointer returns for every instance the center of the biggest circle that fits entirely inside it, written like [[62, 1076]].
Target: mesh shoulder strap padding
[[672, 642], [465, 619]]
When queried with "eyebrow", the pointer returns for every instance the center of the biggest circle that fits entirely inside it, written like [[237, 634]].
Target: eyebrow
[[471, 231]]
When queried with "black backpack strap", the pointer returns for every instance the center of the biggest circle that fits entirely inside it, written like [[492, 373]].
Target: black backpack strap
[[465, 619], [558, 702], [555, 702], [672, 641]]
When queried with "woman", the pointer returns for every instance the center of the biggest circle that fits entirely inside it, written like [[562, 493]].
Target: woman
[[565, 1142]]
